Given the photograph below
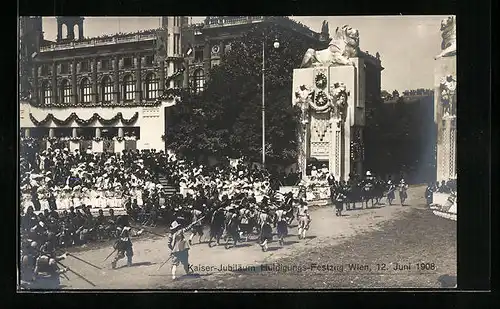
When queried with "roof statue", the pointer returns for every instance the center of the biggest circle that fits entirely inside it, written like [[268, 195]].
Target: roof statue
[[343, 46], [449, 35]]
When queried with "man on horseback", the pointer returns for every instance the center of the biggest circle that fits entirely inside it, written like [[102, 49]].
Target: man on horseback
[[368, 185]]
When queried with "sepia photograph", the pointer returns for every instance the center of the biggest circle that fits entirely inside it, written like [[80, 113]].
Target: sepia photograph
[[237, 152]]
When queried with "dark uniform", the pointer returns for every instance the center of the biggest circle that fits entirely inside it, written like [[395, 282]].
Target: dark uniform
[[124, 246]]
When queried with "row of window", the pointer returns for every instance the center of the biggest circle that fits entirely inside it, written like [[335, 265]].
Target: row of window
[[106, 89], [105, 65]]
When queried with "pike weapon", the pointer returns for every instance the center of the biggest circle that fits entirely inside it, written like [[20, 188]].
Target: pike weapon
[[77, 274], [164, 262], [114, 250], [82, 260]]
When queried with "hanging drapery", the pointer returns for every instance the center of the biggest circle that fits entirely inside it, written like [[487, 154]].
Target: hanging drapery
[[84, 122]]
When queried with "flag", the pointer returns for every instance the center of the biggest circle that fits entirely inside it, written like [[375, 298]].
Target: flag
[[161, 45], [189, 51]]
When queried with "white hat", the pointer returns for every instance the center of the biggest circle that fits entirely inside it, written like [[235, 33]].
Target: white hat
[[174, 225], [368, 173], [402, 181], [389, 182]]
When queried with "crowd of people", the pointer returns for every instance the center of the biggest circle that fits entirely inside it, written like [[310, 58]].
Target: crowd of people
[[60, 188]]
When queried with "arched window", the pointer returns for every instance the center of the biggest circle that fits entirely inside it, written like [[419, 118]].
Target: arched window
[[129, 88], [46, 92], [85, 91], [199, 81], [66, 91], [151, 87], [106, 89]]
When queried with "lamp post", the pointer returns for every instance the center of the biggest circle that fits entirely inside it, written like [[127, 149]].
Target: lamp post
[[276, 45]]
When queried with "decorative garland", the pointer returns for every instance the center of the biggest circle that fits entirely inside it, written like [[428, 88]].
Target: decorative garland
[[84, 122], [321, 99], [321, 102], [321, 81], [98, 104]]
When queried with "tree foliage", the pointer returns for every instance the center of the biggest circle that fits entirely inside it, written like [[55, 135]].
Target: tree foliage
[[231, 103]]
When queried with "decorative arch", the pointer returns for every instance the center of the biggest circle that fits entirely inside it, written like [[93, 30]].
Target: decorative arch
[[102, 77]]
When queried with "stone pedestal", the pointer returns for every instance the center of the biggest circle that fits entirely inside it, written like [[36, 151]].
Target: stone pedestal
[[445, 123], [119, 146], [327, 137], [97, 146]]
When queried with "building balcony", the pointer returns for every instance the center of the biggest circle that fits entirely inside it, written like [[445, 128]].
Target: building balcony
[[99, 42]]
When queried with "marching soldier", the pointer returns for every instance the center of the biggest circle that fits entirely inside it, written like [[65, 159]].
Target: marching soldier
[[281, 224], [180, 248], [402, 191], [197, 226], [124, 246], [339, 199], [429, 191], [304, 219], [390, 192], [266, 230]]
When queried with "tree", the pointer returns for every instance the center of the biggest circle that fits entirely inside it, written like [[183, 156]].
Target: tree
[[234, 89]]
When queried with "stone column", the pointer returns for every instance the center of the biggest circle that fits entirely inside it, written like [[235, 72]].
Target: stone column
[[119, 145], [161, 84], [51, 133], [95, 95], [74, 86], [97, 146], [73, 145], [27, 132], [35, 90], [54, 82], [138, 87], [116, 78]]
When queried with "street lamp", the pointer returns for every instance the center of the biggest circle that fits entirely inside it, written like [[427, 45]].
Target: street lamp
[[276, 45]]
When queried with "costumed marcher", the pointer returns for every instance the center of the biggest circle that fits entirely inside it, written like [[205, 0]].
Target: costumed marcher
[[402, 191], [46, 268], [339, 202], [391, 192], [266, 230], [124, 246], [429, 191], [281, 224], [197, 226], [180, 248], [304, 219]]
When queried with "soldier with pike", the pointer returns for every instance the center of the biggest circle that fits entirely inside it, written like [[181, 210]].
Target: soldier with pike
[[124, 246], [179, 245]]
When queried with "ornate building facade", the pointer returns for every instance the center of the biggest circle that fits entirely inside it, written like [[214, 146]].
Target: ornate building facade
[[102, 93]]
